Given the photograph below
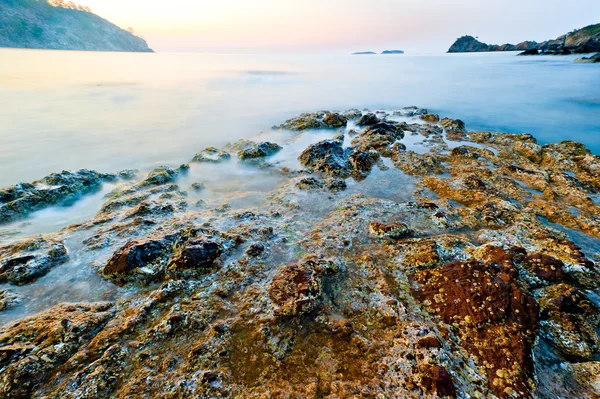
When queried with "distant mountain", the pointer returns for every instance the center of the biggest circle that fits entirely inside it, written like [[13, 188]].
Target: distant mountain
[[364, 53], [61, 25], [585, 40], [393, 52]]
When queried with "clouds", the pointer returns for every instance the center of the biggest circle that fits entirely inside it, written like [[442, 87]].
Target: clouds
[[326, 25]]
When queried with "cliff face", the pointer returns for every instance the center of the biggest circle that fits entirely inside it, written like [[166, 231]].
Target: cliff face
[[585, 40], [62, 26]]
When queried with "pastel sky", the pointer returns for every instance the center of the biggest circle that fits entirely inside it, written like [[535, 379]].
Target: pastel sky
[[309, 26]]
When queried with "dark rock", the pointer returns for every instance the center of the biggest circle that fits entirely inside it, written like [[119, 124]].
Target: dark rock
[[592, 59], [363, 161], [257, 151], [29, 260], [21, 199], [138, 253], [436, 379], [327, 157], [368, 120], [532, 51], [309, 183], [336, 185], [198, 253], [255, 249], [545, 267]]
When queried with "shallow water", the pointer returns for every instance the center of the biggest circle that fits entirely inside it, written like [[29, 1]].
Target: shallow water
[[110, 111]]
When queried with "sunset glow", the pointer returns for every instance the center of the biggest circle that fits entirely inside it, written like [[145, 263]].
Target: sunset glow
[[338, 25]]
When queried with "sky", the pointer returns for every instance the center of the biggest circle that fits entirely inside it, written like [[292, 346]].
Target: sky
[[316, 26]]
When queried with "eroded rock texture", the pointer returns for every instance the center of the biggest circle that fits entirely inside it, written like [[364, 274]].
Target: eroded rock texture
[[448, 265]]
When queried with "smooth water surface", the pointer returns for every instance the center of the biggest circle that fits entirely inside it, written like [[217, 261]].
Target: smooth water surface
[[109, 111]]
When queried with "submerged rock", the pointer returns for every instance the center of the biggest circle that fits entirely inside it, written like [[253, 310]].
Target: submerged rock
[[163, 175], [21, 199], [212, 155], [258, 151]]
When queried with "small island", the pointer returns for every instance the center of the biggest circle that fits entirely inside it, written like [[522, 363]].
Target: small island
[[364, 53], [386, 52]]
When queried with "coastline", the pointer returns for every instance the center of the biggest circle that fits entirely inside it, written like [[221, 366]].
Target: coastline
[[425, 255]]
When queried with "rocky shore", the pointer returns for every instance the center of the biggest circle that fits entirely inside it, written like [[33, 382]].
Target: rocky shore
[[580, 41], [400, 256]]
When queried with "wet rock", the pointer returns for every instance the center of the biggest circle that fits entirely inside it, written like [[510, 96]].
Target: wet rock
[[148, 255], [393, 230], [309, 183], [29, 260], [431, 118], [484, 303], [455, 129], [258, 151], [297, 289], [256, 249], [379, 136], [163, 175], [415, 164], [21, 199], [316, 120], [33, 349], [368, 120], [436, 380], [198, 253], [545, 267], [212, 155], [334, 120], [336, 185], [327, 157], [9, 299], [570, 321], [363, 161]]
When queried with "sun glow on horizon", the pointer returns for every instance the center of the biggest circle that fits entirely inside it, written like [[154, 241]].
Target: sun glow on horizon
[[320, 25]]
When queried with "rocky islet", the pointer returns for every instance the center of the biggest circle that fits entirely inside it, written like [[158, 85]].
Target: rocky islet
[[328, 289]]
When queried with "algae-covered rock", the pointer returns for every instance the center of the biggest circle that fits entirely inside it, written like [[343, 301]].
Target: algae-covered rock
[[26, 261]]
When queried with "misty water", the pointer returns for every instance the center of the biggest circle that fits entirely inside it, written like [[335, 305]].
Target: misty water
[[111, 111]]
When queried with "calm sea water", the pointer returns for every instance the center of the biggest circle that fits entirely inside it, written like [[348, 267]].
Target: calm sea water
[[109, 111]]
